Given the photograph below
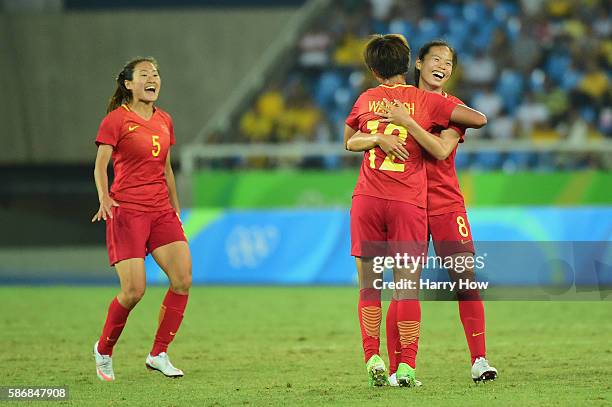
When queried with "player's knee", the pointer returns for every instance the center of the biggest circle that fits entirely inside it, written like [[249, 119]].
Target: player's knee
[[186, 282], [463, 268], [182, 283], [132, 295]]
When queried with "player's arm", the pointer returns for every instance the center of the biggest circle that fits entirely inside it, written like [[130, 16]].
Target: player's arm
[[468, 117], [349, 132], [389, 143], [172, 186], [439, 147], [357, 141], [398, 114], [103, 157]]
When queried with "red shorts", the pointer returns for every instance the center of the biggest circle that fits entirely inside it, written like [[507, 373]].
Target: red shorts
[[393, 226], [450, 233], [134, 234]]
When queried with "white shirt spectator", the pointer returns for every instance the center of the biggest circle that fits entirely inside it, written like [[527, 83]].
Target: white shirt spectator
[[314, 46], [381, 8], [532, 7], [603, 25], [502, 128], [531, 112], [578, 132], [488, 103], [481, 69]]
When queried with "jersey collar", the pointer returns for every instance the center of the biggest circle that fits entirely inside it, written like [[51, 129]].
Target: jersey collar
[[395, 86]]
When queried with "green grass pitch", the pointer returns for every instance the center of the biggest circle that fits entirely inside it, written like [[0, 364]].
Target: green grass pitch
[[251, 346]]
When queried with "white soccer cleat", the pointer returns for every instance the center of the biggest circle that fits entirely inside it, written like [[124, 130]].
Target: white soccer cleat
[[393, 381], [104, 365], [482, 371], [162, 363]]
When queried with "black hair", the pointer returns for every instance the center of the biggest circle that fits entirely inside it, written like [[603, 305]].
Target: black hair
[[425, 50], [122, 94], [387, 55]]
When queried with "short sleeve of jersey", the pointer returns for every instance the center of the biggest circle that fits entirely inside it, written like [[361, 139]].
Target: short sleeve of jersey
[[457, 127], [170, 124], [110, 130], [353, 118], [171, 130], [440, 109]]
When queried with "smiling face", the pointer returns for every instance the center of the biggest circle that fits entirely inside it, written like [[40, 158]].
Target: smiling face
[[145, 83], [436, 67]]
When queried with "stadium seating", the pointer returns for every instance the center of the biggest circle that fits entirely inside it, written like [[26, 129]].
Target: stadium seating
[[539, 69]]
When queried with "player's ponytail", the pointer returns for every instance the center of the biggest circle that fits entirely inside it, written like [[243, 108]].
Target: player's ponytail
[[122, 94], [425, 50]]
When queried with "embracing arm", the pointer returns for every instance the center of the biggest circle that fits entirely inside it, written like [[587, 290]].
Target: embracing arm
[[439, 147], [358, 141], [468, 117], [349, 132], [389, 143], [174, 201]]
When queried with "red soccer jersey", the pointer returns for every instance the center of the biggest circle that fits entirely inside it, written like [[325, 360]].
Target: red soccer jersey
[[443, 192], [140, 148], [385, 176]]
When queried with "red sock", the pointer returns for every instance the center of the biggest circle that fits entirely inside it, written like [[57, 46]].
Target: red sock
[[115, 321], [409, 327], [370, 315], [393, 340], [170, 317], [471, 312]]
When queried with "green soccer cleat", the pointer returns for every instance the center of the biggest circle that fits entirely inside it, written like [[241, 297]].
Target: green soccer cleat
[[405, 375], [393, 381], [377, 372]]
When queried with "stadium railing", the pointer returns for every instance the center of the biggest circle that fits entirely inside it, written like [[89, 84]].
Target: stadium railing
[[192, 155]]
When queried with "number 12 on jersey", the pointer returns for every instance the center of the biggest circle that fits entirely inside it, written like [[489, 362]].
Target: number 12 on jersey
[[389, 163]]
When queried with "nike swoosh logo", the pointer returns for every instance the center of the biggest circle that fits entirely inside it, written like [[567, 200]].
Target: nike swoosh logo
[[172, 333], [132, 128], [109, 339], [477, 334], [465, 241], [105, 377]]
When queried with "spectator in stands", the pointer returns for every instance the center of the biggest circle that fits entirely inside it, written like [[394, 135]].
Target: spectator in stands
[[531, 113], [528, 61]]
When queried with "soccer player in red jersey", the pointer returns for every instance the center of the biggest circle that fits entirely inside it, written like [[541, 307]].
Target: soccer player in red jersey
[[447, 219], [141, 211], [390, 197]]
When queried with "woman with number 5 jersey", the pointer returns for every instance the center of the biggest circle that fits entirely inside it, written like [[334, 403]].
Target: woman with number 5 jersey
[[141, 212]]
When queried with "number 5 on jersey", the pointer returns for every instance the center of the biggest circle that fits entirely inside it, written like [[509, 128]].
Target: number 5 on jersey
[[156, 146], [389, 163]]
